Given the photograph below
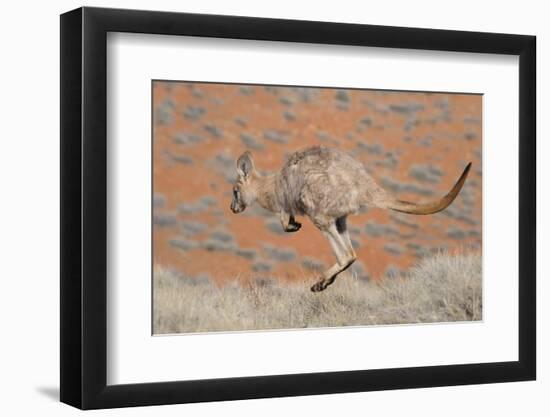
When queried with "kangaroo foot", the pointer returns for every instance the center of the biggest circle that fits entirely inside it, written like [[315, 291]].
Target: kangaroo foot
[[322, 285], [293, 227], [319, 286]]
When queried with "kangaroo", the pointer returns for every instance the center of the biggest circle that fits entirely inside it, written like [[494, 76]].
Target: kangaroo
[[326, 185]]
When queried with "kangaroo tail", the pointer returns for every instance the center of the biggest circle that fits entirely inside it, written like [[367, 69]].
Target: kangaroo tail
[[433, 207]]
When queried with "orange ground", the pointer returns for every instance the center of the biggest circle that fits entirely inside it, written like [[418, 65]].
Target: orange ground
[[416, 142]]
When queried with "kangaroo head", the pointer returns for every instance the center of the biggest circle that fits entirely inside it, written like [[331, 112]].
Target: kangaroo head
[[244, 189]]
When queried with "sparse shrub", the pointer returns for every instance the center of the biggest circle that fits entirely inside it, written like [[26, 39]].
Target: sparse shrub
[[455, 233], [470, 135], [164, 114], [215, 131], [357, 271], [183, 159], [472, 120], [274, 226], [306, 94], [222, 236], [184, 138], [406, 108], [275, 136], [194, 112], [393, 272], [272, 89], [224, 164], [251, 141], [159, 200], [390, 161], [287, 101], [246, 90], [366, 121], [246, 253], [164, 219], [474, 233], [425, 173], [193, 228], [196, 91], [343, 96], [289, 116], [354, 230], [442, 288], [377, 230], [218, 245], [312, 264], [184, 244], [372, 148], [403, 220], [393, 248], [280, 254], [199, 206], [261, 267], [257, 210], [426, 141], [241, 121], [404, 187], [322, 136], [460, 214]]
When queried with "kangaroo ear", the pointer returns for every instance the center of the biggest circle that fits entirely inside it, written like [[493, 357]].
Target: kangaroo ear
[[245, 164]]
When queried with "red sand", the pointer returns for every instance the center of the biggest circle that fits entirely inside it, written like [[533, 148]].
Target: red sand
[[452, 121]]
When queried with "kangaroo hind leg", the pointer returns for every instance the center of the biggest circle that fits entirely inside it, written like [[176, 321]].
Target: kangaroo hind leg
[[338, 236]]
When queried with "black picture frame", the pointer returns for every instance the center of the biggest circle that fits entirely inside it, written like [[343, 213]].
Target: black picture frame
[[84, 179]]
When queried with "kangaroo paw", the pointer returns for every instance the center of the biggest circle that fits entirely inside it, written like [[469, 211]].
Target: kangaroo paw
[[293, 227], [319, 286]]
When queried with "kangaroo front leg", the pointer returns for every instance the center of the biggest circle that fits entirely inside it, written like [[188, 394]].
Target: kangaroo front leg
[[289, 223]]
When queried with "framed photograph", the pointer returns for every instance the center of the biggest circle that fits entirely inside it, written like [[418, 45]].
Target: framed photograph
[[257, 208]]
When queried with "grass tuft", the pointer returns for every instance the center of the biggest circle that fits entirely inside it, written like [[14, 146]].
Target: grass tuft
[[442, 288]]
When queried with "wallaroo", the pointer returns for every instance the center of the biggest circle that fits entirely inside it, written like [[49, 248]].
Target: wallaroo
[[326, 185]]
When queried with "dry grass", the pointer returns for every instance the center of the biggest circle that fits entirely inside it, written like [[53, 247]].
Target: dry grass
[[439, 289]]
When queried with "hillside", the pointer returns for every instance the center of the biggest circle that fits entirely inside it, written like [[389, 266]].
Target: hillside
[[414, 144]]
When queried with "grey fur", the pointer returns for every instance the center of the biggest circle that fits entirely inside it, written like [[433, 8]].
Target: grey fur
[[326, 185]]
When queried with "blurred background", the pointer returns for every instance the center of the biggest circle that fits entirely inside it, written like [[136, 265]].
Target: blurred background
[[413, 144]]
